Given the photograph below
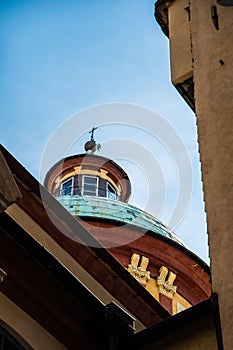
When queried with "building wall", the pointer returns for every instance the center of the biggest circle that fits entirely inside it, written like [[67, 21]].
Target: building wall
[[192, 279], [180, 43], [196, 335], [213, 88], [27, 328], [211, 49]]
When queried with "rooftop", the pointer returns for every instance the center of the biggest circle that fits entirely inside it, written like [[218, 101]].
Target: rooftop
[[106, 208]]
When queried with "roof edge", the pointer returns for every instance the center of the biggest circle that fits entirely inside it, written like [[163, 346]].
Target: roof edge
[[161, 14]]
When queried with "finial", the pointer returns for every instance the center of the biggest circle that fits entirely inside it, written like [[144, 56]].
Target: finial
[[92, 133], [91, 146]]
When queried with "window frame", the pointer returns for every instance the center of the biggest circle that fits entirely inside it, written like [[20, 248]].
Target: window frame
[[114, 191], [96, 186], [15, 340], [71, 187]]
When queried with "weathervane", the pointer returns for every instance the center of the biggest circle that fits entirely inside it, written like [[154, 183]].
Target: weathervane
[[92, 133], [91, 146]]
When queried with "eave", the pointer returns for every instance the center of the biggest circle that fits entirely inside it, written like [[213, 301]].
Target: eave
[[151, 337], [185, 88]]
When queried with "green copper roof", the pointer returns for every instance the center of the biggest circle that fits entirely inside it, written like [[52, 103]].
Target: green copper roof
[[105, 208]]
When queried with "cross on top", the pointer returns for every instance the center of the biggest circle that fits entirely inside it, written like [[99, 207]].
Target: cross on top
[[92, 133]]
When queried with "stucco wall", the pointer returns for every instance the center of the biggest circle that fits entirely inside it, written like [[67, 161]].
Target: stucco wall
[[180, 46], [196, 335], [213, 86], [190, 330], [211, 34]]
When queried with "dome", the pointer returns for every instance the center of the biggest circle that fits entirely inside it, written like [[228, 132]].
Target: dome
[[109, 209], [96, 191]]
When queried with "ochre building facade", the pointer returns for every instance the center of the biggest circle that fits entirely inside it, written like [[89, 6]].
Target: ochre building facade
[[201, 54]]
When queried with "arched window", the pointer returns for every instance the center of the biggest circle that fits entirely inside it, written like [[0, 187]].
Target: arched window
[[8, 342]]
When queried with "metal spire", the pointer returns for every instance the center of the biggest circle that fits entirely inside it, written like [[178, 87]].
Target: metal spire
[[91, 146], [92, 133]]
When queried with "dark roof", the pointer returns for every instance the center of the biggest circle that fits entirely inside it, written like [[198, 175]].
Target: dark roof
[[150, 336], [186, 88], [45, 290], [161, 14]]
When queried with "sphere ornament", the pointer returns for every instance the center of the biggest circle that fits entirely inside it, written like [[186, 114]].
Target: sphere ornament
[[90, 146]]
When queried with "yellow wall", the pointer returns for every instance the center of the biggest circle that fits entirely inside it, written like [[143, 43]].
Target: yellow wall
[[180, 46], [211, 56], [178, 302], [213, 88]]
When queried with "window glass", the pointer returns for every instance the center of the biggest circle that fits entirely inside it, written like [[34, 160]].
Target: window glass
[[90, 185], [90, 180], [111, 192], [67, 187], [8, 342], [8, 345]]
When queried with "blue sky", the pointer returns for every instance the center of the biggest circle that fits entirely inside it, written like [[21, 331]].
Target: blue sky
[[59, 57]]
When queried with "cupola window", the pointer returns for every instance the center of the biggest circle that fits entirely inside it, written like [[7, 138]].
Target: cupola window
[[67, 187], [86, 185], [90, 186], [111, 192]]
